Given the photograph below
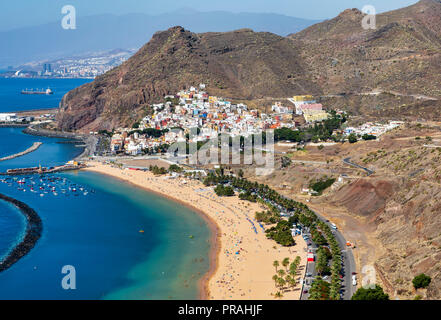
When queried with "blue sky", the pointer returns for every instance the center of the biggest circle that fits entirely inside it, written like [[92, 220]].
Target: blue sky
[[15, 14]]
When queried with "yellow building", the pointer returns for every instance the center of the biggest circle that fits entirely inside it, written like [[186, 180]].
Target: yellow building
[[315, 115], [303, 98]]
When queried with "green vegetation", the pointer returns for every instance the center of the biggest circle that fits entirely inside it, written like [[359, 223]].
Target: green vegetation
[[267, 217], [421, 281], [287, 276], [320, 290], [158, 171], [319, 131], [150, 132], [286, 162], [175, 168], [352, 138], [323, 257], [369, 137], [320, 185], [299, 213], [281, 233], [248, 196], [376, 293], [223, 191]]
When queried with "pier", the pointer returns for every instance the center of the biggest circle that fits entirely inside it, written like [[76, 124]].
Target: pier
[[34, 147]]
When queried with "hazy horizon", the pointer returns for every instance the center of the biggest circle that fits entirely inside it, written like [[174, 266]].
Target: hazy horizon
[[28, 13]]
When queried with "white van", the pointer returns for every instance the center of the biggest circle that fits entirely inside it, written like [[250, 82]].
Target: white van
[[354, 280]]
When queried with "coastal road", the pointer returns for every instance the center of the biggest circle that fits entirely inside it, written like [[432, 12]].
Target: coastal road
[[348, 261], [348, 162], [348, 264]]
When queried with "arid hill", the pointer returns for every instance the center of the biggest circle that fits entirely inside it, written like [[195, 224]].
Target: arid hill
[[242, 64], [402, 54], [390, 71]]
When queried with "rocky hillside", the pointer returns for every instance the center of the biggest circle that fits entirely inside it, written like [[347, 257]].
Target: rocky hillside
[[400, 55], [241, 64], [390, 71], [401, 200]]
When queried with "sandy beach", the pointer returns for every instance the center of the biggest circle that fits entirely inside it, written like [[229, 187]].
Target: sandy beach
[[242, 257]]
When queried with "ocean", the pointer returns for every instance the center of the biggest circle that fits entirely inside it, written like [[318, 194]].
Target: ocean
[[11, 99], [93, 222]]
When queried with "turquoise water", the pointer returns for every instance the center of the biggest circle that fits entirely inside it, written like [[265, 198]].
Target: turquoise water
[[11, 98], [96, 231], [50, 153], [99, 235], [12, 226]]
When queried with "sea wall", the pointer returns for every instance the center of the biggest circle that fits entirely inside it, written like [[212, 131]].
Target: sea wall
[[34, 230], [89, 140], [34, 147]]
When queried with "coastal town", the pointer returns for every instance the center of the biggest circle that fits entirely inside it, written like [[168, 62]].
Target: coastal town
[[172, 122], [82, 66]]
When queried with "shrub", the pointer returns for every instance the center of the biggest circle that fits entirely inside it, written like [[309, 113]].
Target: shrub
[[352, 138], [370, 294], [421, 281], [223, 191]]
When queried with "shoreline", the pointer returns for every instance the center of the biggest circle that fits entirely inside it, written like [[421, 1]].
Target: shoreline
[[222, 280], [34, 228], [215, 238], [88, 140]]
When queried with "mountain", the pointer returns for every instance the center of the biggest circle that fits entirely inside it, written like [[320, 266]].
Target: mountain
[[401, 54], [392, 71], [242, 64], [106, 32]]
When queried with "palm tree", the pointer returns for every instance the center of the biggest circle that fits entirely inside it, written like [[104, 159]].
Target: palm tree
[[291, 281], [276, 264], [279, 295], [281, 273], [285, 263], [281, 282]]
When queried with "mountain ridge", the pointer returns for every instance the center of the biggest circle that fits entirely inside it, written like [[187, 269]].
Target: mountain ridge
[[107, 31], [336, 56]]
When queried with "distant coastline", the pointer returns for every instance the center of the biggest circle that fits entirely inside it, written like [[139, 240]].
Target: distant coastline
[[34, 230]]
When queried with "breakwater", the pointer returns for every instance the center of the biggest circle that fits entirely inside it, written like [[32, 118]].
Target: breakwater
[[33, 233], [34, 147], [89, 140]]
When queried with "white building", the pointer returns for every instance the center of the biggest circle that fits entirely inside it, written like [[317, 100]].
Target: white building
[[8, 117]]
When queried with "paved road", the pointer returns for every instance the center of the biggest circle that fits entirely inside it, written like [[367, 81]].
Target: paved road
[[348, 264], [348, 161]]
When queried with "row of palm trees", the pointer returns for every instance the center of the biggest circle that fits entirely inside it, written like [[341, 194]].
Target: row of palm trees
[[285, 276], [305, 216]]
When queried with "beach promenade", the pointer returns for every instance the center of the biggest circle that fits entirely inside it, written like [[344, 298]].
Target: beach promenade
[[242, 257]]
